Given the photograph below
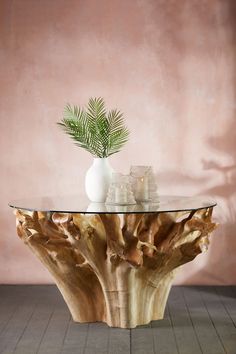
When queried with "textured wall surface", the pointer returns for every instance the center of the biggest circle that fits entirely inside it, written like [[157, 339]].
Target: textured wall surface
[[170, 66]]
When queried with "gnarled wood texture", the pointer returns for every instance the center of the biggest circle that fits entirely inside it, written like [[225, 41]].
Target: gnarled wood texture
[[115, 268]]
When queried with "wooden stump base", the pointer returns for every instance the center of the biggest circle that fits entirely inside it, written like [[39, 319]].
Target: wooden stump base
[[115, 268]]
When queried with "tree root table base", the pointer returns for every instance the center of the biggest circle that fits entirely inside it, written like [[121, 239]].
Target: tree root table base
[[115, 268]]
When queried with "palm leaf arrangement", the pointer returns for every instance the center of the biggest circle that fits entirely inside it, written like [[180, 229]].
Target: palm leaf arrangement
[[94, 129]]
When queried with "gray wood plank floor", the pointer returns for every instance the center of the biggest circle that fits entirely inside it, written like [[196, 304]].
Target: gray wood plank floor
[[198, 320]]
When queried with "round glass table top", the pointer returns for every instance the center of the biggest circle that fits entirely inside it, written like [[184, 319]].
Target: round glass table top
[[80, 204]]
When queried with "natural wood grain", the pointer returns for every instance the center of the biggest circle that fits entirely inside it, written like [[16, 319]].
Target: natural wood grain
[[115, 268]]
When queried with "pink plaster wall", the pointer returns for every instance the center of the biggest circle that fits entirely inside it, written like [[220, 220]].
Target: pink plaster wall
[[169, 65]]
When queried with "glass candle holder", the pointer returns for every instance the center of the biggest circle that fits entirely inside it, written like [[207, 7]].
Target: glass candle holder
[[120, 190], [144, 184]]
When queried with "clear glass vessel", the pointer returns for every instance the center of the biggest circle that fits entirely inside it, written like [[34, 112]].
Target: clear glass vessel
[[120, 191], [144, 184]]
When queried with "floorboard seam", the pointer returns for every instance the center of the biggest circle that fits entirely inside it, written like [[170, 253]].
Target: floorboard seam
[[9, 319], [213, 322], [86, 339], [173, 329], [190, 317], [130, 341], [25, 328], [67, 329], [43, 334], [108, 340], [226, 310]]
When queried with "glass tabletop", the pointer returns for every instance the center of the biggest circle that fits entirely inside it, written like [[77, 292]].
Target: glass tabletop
[[80, 204]]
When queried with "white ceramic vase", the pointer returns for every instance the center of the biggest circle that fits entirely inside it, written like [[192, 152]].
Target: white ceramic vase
[[98, 179]]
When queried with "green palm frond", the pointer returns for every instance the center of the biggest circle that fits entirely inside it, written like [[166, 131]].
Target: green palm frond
[[118, 133], [100, 133]]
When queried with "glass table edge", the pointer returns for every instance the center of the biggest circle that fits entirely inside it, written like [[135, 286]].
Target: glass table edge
[[212, 205]]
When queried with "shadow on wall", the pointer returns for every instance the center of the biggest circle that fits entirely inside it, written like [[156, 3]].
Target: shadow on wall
[[225, 192], [212, 267], [218, 265]]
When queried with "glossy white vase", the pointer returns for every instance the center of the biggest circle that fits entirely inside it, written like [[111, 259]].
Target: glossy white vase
[[98, 179]]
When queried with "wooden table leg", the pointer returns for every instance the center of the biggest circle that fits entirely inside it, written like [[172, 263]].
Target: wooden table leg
[[115, 268]]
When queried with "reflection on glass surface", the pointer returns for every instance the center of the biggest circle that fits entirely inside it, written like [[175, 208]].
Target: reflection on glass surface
[[96, 207], [80, 204]]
